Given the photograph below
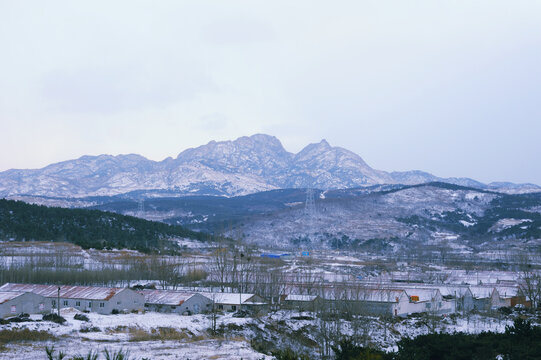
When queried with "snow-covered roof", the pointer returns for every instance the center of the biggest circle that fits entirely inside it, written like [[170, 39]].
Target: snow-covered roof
[[165, 297], [424, 294], [481, 292], [228, 298], [9, 295], [66, 291], [363, 294], [508, 291], [295, 297], [453, 290]]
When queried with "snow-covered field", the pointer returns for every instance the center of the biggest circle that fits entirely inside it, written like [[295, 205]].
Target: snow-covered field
[[139, 334], [124, 330]]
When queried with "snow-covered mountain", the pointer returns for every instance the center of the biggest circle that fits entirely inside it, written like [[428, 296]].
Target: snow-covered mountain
[[230, 168]]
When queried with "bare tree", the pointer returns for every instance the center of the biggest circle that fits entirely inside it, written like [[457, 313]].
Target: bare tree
[[221, 264], [166, 271], [531, 286]]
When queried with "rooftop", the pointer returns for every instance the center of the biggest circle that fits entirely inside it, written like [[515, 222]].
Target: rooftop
[[9, 295], [165, 297], [66, 291]]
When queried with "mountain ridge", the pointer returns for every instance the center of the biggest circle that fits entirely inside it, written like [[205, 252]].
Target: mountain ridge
[[246, 165]]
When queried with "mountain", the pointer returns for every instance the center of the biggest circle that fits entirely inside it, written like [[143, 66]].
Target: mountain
[[228, 168], [379, 218], [415, 219]]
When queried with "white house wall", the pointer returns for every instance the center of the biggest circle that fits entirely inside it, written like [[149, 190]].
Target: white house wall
[[126, 299], [28, 303]]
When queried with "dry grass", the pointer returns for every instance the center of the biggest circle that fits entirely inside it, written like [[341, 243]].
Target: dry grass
[[160, 334], [14, 335]]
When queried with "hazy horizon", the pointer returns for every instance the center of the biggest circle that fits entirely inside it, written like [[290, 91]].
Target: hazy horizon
[[451, 88]]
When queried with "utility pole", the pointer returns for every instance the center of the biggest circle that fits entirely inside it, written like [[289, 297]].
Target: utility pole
[[58, 302], [240, 282]]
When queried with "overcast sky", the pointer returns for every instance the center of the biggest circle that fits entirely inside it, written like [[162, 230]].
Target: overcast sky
[[449, 87]]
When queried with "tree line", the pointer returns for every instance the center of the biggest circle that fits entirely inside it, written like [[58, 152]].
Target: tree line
[[20, 221]]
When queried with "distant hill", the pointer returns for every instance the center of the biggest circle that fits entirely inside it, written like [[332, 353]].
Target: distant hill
[[88, 228], [227, 168], [378, 218]]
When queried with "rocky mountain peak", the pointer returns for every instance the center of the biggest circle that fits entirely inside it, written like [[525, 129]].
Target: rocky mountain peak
[[245, 165]]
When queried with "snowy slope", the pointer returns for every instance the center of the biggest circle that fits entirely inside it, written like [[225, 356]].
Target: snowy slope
[[243, 166]]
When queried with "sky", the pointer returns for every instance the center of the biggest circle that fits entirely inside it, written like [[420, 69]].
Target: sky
[[448, 87]]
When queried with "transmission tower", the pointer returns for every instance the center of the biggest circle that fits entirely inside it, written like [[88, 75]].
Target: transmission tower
[[310, 206], [141, 208]]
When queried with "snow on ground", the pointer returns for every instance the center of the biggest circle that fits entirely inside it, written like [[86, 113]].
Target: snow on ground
[[282, 327], [506, 223], [155, 350], [115, 332], [466, 223], [191, 244]]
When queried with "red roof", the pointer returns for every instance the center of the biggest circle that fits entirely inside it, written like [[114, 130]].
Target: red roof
[[66, 291]]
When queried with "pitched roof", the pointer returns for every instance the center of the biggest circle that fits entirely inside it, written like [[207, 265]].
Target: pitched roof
[[66, 291], [165, 297], [295, 297], [9, 295], [423, 293], [454, 290], [508, 291], [482, 292], [228, 298]]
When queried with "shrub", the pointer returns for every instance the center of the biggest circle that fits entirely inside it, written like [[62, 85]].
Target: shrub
[[505, 310], [117, 355], [20, 318], [90, 356], [81, 317], [346, 349], [51, 354], [115, 312], [54, 318], [87, 329], [289, 354]]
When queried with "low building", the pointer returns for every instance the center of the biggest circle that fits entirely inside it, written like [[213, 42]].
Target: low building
[[13, 303], [168, 301], [367, 301], [457, 298], [102, 300], [512, 296], [235, 301], [425, 300], [485, 298], [301, 302]]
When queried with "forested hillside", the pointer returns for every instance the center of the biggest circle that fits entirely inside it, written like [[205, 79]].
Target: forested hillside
[[87, 228]]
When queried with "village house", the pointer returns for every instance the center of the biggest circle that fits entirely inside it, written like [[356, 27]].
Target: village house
[[485, 298], [367, 301], [453, 298], [168, 301], [456, 298], [300, 302], [512, 296], [425, 300], [235, 301], [13, 303], [102, 300]]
